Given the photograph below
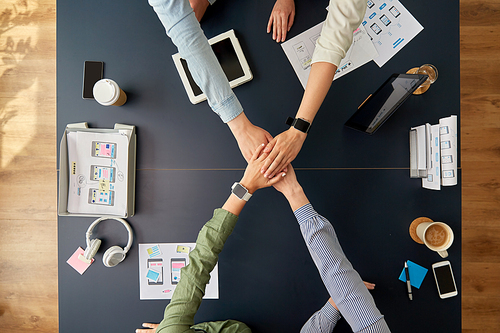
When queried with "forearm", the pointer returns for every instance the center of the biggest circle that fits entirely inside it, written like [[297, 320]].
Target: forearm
[[339, 277], [296, 196], [234, 205], [318, 84], [344, 16], [184, 29], [179, 314], [323, 320]]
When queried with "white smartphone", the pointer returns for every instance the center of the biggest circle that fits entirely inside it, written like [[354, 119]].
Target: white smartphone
[[445, 281]]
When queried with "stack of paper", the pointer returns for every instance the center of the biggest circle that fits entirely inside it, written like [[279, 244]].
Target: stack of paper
[[433, 153]]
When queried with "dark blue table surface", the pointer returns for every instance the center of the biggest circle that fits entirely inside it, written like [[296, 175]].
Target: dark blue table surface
[[360, 183]]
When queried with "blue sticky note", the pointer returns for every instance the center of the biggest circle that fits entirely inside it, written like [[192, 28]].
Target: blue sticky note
[[417, 274], [153, 275]]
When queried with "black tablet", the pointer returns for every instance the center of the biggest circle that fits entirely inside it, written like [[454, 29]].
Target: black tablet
[[380, 105]]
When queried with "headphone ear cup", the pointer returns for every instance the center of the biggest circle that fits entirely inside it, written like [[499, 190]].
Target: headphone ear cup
[[92, 249], [113, 256]]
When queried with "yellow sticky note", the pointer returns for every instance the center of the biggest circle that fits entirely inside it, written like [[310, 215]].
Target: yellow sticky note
[[183, 249], [103, 185]]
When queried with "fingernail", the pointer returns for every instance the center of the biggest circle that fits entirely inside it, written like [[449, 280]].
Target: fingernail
[[265, 175], [262, 145], [283, 175]]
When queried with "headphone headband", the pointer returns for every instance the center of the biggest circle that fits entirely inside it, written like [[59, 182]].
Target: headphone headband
[[122, 221]]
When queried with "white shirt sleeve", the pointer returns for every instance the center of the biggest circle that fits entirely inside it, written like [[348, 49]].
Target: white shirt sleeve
[[344, 16]]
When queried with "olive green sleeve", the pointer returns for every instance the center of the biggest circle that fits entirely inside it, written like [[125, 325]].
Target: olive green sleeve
[[187, 297]]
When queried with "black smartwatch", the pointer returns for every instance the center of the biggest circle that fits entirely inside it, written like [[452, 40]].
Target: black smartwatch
[[240, 191], [299, 123]]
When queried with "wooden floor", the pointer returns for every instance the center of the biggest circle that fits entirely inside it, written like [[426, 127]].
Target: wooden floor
[[28, 221]]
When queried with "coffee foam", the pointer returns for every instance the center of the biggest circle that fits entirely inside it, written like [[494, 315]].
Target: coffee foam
[[436, 235]]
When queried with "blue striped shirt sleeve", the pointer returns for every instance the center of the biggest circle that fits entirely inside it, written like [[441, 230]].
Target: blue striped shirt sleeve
[[339, 277], [322, 321]]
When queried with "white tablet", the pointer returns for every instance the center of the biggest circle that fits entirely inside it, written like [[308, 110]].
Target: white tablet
[[228, 51]]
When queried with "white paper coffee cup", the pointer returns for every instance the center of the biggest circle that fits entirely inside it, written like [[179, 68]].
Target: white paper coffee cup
[[107, 92]]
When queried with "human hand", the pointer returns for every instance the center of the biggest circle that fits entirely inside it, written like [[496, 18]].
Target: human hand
[[252, 179], [281, 19], [369, 286], [199, 8], [248, 135], [151, 328], [282, 151], [289, 184]]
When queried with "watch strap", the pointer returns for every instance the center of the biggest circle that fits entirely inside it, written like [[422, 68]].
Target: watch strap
[[299, 124]]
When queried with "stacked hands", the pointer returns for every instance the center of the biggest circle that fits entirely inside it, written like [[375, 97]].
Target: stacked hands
[[270, 163], [280, 151]]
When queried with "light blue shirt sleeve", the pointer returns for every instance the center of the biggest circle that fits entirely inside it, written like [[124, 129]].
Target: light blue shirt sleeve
[[183, 28], [339, 277]]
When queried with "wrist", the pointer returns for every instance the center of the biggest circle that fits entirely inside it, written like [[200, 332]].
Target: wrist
[[296, 197], [297, 134], [239, 123], [293, 191], [248, 185]]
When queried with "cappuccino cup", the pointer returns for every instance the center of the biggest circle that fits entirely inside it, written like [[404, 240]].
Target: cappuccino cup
[[107, 92], [437, 236]]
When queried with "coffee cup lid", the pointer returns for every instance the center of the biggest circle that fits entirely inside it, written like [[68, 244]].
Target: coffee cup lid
[[105, 92]]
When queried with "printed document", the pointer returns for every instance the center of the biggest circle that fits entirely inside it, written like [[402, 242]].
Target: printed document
[[390, 27], [299, 51]]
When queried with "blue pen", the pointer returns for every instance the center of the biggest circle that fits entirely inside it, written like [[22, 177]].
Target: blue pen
[[408, 283]]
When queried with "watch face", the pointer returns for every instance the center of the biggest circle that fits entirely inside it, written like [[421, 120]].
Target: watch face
[[301, 125], [240, 191]]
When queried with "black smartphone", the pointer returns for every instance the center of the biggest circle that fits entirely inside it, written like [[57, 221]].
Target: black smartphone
[[92, 72]]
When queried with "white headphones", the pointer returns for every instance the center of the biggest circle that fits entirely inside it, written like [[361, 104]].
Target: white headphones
[[115, 254]]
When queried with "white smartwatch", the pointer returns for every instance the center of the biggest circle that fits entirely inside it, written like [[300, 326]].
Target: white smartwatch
[[240, 191]]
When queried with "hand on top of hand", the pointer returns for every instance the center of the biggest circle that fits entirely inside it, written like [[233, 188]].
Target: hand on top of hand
[[282, 151], [253, 179]]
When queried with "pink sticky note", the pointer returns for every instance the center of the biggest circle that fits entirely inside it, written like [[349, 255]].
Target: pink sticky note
[[179, 265], [79, 265]]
